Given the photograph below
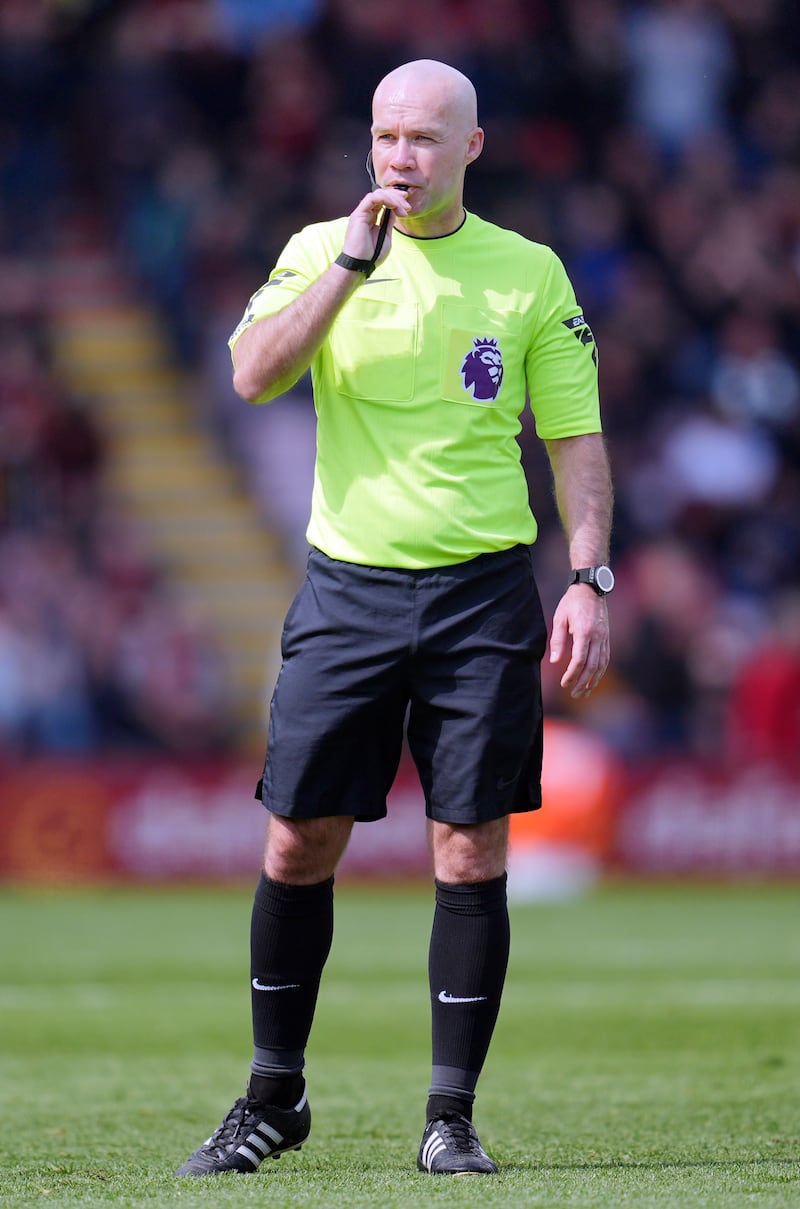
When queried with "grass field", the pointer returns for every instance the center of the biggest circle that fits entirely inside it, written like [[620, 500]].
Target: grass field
[[648, 1052]]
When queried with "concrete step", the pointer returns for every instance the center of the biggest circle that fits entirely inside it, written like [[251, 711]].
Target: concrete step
[[187, 499]]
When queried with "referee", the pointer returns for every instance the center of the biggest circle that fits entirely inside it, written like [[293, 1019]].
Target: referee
[[424, 334]]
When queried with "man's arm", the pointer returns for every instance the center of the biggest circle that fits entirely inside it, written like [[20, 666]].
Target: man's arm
[[584, 496], [272, 353]]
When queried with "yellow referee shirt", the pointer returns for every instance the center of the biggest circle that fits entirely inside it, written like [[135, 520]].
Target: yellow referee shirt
[[420, 385]]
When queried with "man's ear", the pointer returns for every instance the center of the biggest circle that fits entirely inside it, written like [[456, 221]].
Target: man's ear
[[475, 144]]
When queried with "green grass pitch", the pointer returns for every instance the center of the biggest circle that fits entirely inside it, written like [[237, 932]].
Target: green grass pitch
[[647, 1053]]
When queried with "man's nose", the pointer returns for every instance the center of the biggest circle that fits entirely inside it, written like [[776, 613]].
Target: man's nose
[[402, 156]]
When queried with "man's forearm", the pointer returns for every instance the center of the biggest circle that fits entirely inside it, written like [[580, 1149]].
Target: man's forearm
[[274, 352], [584, 495]]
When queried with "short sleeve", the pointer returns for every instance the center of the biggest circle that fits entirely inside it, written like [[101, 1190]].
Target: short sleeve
[[561, 363], [291, 276]]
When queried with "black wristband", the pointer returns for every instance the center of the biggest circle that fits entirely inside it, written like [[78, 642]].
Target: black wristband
[[367, 267]]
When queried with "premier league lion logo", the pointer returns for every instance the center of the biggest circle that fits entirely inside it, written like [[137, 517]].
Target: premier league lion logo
[[482, 370]]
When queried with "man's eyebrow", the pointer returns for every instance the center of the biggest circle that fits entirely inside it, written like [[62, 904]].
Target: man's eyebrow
[[432, 130]]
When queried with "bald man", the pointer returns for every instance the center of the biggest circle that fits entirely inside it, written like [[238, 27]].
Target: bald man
[[425, 329]]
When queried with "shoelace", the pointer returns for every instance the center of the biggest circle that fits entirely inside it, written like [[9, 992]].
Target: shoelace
[[224, 1135], [463, 1135]]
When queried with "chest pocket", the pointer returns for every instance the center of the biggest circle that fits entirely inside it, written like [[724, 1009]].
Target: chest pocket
[[374, 346], [482, 362]]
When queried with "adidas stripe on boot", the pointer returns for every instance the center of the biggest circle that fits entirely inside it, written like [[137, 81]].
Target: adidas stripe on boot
[[250, 1133], [450, 1146]]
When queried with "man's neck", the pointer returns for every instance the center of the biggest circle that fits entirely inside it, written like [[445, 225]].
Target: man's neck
[[421, 228]]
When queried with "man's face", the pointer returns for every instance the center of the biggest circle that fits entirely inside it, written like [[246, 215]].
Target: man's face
[[421, 139]]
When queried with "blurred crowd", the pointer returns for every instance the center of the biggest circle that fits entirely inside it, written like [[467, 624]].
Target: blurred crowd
[[97, 648], [654, 145]]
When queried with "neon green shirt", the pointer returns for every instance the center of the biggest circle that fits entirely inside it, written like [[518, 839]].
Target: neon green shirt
[[420, 385]]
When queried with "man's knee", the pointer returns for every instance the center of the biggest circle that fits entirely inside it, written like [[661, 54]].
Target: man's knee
[[474, 853], [303, 852]]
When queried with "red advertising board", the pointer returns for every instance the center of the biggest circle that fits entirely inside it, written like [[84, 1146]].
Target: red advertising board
[[160, 820], [686, 819]]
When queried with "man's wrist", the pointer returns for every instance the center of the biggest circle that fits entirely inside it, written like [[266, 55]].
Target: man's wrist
[[600, 578], [354, 265]]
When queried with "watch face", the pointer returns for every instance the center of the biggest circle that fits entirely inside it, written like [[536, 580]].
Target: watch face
[[604, 578]]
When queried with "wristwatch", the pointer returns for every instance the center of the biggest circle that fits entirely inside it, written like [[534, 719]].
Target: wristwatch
[[601, 578]]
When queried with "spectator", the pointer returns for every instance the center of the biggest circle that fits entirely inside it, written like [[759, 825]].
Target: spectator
[[681, 60], [763, 720]]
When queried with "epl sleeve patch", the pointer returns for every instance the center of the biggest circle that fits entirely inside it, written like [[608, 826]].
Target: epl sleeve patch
[[582, 332]]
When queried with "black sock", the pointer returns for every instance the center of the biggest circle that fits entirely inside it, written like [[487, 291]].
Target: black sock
[[291, 931], [467, 967], [282, 1091]]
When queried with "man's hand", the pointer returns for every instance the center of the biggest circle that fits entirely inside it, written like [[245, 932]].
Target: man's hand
[[584, 496], [362, 228], [581, 615]]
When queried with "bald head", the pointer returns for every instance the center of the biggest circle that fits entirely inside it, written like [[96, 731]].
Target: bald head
[[435, 85], [424, 134]]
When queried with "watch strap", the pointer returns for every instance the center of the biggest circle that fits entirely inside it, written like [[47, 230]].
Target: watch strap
[[367, 267], [589, 575]]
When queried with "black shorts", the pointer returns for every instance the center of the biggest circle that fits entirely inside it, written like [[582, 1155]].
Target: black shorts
[[451, 655]]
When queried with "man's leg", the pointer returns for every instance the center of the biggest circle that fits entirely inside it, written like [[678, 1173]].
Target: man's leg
[[291, 932], [290, 938], [467, 966]]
